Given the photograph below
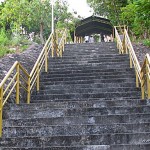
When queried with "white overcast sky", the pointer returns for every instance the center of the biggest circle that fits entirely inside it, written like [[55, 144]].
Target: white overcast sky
[[80, 6]]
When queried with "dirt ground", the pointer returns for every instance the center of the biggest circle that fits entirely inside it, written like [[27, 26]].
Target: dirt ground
[[141, 51]]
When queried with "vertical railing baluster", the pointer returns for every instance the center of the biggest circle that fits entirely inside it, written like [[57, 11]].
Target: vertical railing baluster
[[46, 59], [52, 52], [28, 91], [38, 78], [142, 84], [18, 83]]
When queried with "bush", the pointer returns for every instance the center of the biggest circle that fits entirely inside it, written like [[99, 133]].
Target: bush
[[3, 37], [4, 50], [146, 42]]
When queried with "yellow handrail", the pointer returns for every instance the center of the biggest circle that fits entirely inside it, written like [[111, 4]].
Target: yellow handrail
[[142, 73], [42, 59], [20, 78], [15, 77], [61, 44]]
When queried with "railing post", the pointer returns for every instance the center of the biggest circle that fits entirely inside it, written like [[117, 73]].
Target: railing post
[[130, 60], [38, 79], [148, 88], [46, 59], [18, 83], [124, 44], [147, 78], [52, 45], [1, 110], [142, 85], [137, 79], [29, 91]]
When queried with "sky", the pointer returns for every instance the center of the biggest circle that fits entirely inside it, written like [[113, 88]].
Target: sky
[[79, 6]]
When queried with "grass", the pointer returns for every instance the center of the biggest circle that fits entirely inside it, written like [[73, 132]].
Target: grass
[[5, 50], [146, 42]]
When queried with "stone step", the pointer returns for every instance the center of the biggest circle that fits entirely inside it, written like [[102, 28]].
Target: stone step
[[90, 56], [86, 77], [102, 139], [82, 67], [91, 47], [73, 96], [90, 147], [95, 103], [78, 99], [119, 73], [91, 70], [84, 90], [90, 59], [73, 130], [83, 63], [91, 81], [80, 120], [82, 52], [85, 111]]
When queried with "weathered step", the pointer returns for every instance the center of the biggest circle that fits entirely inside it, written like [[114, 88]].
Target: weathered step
[[90, 147], [63, 112], [82, 147], [62, 61], [91, 81], [87, 99], [87, 52], [84, 90], [99, 76], [78, 120], [92, 70], [95, 103], [104, 139], [90, 57], [73, 130], [86, 64], [85, 85], [82, 67], [78, 96]]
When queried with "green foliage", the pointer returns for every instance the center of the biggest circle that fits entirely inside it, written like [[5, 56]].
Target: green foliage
[[4, 50], [3, 37], [34, 16], [146, 42], [108, 8], [137, 16]]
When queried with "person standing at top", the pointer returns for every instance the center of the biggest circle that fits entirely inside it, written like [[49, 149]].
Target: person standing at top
[[86, 39]]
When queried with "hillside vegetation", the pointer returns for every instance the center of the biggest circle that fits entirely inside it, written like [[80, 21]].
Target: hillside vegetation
[[19, 18]]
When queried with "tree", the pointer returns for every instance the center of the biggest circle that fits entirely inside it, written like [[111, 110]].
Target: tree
[[136, 15], [108, 8], [35, 16], [14, 12]]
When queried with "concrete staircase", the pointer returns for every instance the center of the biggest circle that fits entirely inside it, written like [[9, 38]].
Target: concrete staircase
[[87, 101]]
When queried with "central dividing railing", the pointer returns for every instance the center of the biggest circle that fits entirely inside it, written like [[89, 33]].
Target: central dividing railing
[[18, 78], [142, 73]]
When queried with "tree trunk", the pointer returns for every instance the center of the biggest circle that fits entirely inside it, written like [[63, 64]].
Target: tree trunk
[[41, 32]]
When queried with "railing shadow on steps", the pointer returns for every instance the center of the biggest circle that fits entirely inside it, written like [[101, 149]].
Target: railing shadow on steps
[[17, 77], [142, 73]]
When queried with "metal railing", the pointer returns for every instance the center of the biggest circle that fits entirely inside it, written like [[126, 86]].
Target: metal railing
[[142, 73], [62, 42], [17, 77], [41, 61]]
